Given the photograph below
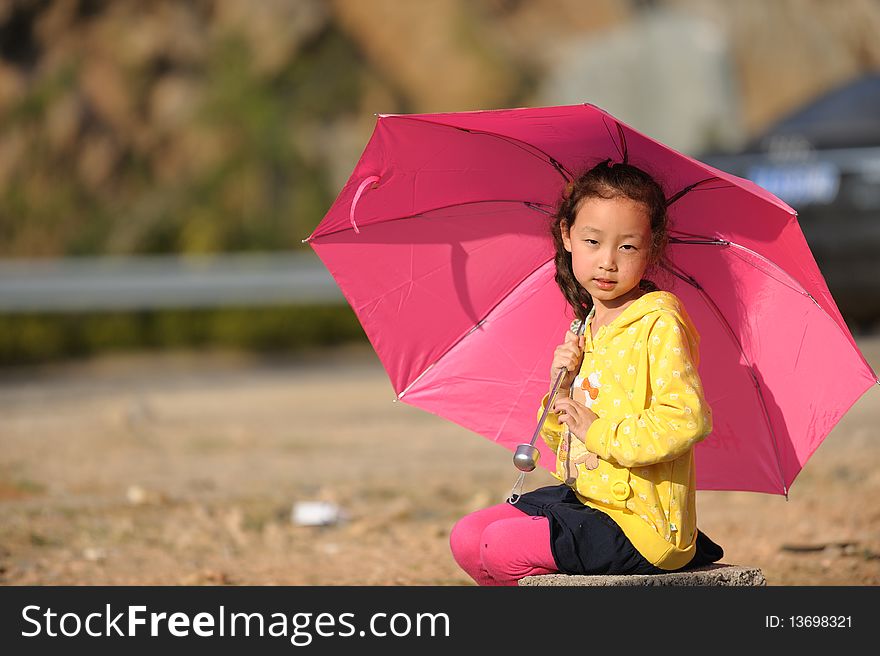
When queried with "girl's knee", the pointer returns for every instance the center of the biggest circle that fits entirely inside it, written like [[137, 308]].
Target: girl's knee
[[498, 552], [464, 538], [509, 550], [465, 534]]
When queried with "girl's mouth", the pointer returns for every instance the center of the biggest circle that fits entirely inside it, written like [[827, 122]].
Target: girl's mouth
[[601, 283]]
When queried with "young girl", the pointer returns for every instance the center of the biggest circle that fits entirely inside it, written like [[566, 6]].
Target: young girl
[[627, 415]]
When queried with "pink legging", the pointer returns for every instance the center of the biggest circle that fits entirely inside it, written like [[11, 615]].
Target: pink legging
[[500, 544]]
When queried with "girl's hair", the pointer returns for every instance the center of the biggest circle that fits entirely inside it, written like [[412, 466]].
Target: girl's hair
[[607, 180]]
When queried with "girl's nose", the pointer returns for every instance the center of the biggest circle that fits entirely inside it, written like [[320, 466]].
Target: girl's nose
[[607, 262]]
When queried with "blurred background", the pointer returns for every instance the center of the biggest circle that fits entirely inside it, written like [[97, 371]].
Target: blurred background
[[177, 368]]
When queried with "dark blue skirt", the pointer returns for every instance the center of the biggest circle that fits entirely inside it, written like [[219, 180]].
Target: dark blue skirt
[[584, 540]]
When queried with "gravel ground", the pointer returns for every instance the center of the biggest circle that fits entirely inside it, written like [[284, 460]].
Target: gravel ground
[[184, 469]]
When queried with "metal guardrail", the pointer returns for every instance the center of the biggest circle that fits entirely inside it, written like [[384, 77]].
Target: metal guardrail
[[154, 282]]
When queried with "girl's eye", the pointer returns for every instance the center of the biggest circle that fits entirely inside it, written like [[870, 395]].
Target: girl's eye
[[629, 247], [591, 241]]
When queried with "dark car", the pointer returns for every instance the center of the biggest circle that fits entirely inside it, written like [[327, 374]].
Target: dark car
[[824, 161]]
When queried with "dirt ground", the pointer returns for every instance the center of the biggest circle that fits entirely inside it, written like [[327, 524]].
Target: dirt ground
[[185, 468]]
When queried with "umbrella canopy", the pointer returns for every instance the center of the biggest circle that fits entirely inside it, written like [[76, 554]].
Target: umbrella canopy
[[440, 242]]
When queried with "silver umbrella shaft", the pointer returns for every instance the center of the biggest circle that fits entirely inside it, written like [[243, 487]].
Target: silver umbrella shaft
[[526, 456]]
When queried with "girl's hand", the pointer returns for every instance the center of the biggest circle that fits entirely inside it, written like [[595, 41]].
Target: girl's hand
[[575, 415], [567, 355]]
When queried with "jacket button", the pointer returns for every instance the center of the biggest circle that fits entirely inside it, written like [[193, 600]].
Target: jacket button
[[620, 490]]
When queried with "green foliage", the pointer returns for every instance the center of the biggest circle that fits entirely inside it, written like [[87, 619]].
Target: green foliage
[[35, 338], [227, 173], [90, 168]]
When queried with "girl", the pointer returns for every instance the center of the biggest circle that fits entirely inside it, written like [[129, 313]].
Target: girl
[[628, 413]]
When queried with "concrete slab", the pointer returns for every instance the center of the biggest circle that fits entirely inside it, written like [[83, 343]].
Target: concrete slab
[[718, 574]]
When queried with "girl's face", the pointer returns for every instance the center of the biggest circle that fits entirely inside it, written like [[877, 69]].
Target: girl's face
[[610, 245]]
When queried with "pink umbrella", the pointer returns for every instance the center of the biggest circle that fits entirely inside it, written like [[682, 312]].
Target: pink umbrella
[[440, 243]]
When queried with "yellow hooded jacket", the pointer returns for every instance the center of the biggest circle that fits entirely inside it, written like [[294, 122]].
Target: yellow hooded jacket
[[651, 414]]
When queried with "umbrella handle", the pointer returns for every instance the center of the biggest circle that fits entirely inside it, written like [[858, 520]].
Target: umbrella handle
[[526, 456], [578, 327], [550, 400]]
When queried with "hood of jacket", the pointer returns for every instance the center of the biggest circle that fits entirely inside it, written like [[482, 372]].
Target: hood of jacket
[[655, 303]]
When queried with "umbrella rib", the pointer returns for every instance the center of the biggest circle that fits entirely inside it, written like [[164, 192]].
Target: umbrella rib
[[519, 143], [621, 149], [475, 326], [688, 278], [791, 282], [796, 286], [693, 186], [531, 204]]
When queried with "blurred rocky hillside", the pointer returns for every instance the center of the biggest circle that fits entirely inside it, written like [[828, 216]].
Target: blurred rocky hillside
[[214, 125]]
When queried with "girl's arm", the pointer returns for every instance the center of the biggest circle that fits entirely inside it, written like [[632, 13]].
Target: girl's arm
[[677, 417]]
